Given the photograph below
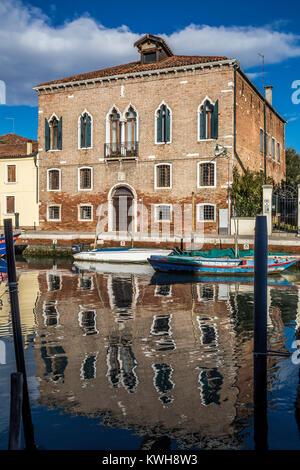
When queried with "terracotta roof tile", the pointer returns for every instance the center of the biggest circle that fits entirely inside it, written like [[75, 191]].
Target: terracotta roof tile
[[173, 61], [12, 145]]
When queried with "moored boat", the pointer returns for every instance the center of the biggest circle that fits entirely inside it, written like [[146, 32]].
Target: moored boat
[[2, 242], [113, 268], [120, 255], [198, 265]]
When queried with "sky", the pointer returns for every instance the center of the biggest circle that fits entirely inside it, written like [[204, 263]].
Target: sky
[[43, 41]]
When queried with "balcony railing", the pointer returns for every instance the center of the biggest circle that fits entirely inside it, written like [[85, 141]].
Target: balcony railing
[[121, 150]]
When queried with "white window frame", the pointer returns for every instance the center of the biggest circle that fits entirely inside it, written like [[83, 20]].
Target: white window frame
[[156, 219], [79, 212], [155, 176], [6, 173], [92, 178], [53, 220], [155, 126], [207, 98], [198, 212], [5, 198], [48, 179], [198, 174], [79, 130]]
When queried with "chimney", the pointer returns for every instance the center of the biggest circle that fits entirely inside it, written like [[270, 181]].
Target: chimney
[[268, 90], [29, 148]]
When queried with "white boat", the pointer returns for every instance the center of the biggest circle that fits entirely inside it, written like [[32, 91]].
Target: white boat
[[120, 255], [114, 268]]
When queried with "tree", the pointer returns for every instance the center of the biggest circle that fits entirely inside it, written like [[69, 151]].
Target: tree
[[292, 161], [246, 192]]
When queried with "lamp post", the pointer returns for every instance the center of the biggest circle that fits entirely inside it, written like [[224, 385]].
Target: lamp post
[[221, 151]]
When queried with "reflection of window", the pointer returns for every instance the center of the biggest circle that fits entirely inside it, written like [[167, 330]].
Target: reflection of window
[[88, 369], [85, 283], [121, 365], [210, 381], [87, 321], [161, 328], [50, 313], [163, 381], [53, 282], [205, 292], [163, 290], [55, 362]]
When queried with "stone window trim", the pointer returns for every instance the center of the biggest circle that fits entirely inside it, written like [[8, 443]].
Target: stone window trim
[[198, 212], [156, 218], [6, 173], [48, 179], [6, 200], [92, 175], [122, 120], [80, 219], [85, 111], [50, 123], [199, 164], [48, 215], [199, 112], [156, 169], [155, 124]]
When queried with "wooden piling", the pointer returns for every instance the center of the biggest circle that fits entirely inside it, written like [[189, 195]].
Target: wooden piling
[[16, 401]]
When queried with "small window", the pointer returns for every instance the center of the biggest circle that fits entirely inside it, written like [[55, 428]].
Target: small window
[[10, 204], [85, 131], [53, 213], [206, 212], [163, 125], [278, 151], [53, 134], [163, 176], [163, 213], [208, 120], [207, 174], [85, 212], [85, 178], [273, 148], [11, 174], [270, 145], [53, 180], [261, 141], [150, 57]]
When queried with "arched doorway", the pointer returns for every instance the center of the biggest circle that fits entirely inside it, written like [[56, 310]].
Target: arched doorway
[[122, 199]]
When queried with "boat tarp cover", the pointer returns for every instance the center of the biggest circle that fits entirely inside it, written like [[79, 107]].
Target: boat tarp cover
[[228, 253]]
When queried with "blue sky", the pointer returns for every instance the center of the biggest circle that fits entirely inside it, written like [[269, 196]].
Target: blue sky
[[43, 41]]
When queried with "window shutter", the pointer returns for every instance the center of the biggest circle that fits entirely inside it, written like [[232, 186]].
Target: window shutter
[[215, 121], [167, 124], [81, 132], [159, 126], [59, 138], [47, 135], [203, 122], [88, 131]]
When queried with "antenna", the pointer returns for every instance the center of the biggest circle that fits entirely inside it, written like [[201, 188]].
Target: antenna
[[13, 123]]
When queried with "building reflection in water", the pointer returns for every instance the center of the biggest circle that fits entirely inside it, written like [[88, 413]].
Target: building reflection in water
[[169, 362]]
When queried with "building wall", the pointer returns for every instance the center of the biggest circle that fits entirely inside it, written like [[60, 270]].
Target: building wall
[[24, 190], [183, 92]]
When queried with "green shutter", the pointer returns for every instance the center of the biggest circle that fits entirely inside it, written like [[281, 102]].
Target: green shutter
[[167, 124], [203, 122], [82, 144], [47, 135], [215, 120], [59, 138], [159, 126], [88, 130]]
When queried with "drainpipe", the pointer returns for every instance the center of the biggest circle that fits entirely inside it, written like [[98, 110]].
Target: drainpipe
[[234, 123]]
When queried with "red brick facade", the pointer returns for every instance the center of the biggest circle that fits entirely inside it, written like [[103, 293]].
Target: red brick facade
[[183, 88]]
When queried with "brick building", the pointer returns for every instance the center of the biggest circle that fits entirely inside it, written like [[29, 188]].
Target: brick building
[[132, 143]]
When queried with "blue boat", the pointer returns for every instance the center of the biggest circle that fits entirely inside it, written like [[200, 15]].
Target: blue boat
[[224, 266], [2, 242]]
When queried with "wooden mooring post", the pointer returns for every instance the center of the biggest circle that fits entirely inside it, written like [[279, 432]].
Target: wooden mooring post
[[16, 401], [260, 334], [17, 332]]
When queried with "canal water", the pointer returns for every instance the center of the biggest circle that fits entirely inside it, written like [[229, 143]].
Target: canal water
[[132, 360]]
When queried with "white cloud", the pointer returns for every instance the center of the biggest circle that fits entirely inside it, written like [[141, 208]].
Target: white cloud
[[32, 50]]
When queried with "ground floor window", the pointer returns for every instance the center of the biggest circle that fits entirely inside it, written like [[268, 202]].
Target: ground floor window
[[163, 213], [54, 213], [10, 204], [206, 212], [85, 212]]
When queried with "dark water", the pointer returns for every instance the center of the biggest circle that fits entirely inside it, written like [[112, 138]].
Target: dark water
[[131, 361]]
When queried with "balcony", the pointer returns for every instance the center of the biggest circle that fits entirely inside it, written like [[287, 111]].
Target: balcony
[[124, 151]]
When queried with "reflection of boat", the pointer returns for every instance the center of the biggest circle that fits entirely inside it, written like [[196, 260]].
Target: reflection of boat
[[199, 265], [186, 278], [2, 242], [120, 255], [113, 268]]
